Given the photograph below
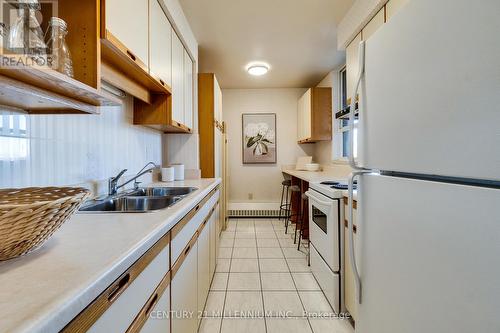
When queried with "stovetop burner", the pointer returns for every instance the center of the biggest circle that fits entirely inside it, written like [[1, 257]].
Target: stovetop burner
[[343, 186], [330, 183]]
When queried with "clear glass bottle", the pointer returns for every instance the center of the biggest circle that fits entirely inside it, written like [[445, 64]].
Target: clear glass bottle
[[59, 54], [26, 35]]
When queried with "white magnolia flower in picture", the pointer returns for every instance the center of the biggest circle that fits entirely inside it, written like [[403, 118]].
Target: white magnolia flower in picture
[[251, 130], [259, 136]]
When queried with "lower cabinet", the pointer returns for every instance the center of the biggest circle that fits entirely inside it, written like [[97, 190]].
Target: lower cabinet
[[213, 244], [125, 305], [184, 290], [166, 289], [158, 320], [203, 264], [350, 288]]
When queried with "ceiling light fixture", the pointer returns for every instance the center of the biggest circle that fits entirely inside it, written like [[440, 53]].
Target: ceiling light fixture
[[258, 70]]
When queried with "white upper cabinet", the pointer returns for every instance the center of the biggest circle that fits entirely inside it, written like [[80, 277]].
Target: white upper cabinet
[[375, 23], [352, 64], [177, 80], [161, 44], [128, 21], [304, 117], [140, 35], [392, 7], [188, 90]]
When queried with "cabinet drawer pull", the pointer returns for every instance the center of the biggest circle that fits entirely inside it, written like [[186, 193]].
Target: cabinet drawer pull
[[162, 82], [197, 208], [178, 124], [186, 251], [151, 305], [131, 55], [119, 288]]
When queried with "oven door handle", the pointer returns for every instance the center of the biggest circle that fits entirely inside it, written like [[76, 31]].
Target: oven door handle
[[310, 196]]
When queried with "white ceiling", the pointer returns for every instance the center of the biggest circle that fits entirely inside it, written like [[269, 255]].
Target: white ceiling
[[297, 38]]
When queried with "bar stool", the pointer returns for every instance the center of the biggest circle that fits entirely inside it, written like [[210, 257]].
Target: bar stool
[[295, 194], [303, 219], [285, 193]]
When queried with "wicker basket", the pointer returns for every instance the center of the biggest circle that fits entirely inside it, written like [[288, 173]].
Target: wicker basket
[[29, 216]]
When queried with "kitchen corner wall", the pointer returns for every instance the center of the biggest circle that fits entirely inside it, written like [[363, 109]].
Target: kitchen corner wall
[[263, 182], [58, 150]]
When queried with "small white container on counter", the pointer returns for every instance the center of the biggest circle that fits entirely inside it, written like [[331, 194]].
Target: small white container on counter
[[312, 167], [167, 174], [178, 171]]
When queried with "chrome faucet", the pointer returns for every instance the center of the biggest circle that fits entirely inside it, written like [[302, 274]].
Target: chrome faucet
[[113, 181]]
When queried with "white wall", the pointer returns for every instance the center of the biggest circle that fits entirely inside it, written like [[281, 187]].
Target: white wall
[[263, 181], [74, 149]]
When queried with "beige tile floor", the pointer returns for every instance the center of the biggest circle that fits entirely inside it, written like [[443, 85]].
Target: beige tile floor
[[264, 285]]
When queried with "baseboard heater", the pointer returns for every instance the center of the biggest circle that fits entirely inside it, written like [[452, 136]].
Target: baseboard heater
[[254, 213]]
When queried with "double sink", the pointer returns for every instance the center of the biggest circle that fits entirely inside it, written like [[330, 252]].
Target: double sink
[[140, 200]]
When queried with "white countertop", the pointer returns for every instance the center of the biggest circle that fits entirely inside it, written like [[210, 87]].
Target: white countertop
[[315, 176], [44, 290], [310, 176]]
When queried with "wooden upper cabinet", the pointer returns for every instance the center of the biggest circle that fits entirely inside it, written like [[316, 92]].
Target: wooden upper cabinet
[[209, 114], [127, 22], [35, 89], [315, 115], [177, 80], [392, 7], [188, 90], [160, 43]]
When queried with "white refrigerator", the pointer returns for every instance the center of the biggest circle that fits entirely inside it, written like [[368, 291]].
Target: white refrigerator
[[428, 171]]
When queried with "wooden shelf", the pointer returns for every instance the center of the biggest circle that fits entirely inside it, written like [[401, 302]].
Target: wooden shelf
[[157, 114], [51, 85], [22, 97], [43, 90]]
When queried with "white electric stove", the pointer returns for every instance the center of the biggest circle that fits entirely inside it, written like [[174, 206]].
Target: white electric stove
[[327, 238]]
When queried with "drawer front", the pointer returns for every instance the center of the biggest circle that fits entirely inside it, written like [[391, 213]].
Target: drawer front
[[328, 281], [120, 315], [159, 319], [182, 233]]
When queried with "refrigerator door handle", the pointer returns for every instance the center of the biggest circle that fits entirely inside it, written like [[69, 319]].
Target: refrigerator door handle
[[352, 255], [361, 59]]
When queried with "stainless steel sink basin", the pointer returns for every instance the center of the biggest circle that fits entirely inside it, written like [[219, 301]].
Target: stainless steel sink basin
[[163, 191], [130, 204], [141, 200]]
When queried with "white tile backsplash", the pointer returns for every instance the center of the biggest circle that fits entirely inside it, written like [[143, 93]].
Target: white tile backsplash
[[74, 149]]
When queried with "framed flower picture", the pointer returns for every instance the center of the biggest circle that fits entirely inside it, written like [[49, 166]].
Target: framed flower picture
[[259, 138]]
